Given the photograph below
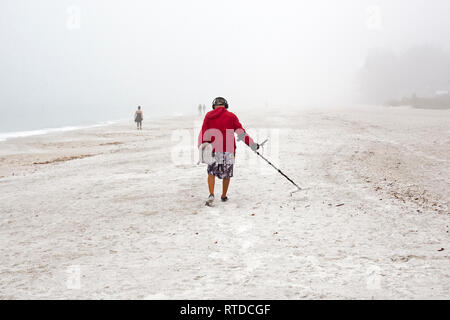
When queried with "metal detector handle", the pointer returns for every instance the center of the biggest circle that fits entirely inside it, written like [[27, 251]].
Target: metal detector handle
[[264, 142], [260, 145]]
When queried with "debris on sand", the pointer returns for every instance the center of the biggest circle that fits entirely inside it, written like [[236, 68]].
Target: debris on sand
[[340, 204], [63, 159], [115, 143]]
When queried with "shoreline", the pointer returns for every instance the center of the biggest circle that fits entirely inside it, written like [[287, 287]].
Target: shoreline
[[4, 136], [8, 135]]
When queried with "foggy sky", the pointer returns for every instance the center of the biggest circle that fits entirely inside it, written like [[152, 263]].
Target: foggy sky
[[169, 56]]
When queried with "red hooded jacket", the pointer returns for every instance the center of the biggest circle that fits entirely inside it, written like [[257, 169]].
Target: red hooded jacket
[[219, 127]]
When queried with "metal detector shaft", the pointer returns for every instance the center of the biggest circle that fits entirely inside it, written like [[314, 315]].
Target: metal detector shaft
[[278, 170]]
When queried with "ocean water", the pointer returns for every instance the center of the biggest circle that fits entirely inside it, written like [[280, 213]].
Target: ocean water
[[20, 134], [11, 134], [25, 122]]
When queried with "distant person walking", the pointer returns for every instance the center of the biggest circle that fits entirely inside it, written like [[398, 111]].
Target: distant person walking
[[138, 117], [199, 109], [204, 109], [216, 141]]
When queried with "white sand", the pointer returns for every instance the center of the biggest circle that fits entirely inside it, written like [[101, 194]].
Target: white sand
[[110, 203]]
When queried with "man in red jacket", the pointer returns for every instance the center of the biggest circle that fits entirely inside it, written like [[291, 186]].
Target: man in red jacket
[[218, 129]]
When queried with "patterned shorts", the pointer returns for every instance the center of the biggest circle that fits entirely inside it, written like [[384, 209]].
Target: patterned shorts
[[222, 167]]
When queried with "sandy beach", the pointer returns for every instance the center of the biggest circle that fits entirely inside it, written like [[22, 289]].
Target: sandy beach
[[112, 212]]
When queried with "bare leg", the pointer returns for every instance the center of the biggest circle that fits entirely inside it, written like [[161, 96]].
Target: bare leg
[[211, 181], [225, 184]]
